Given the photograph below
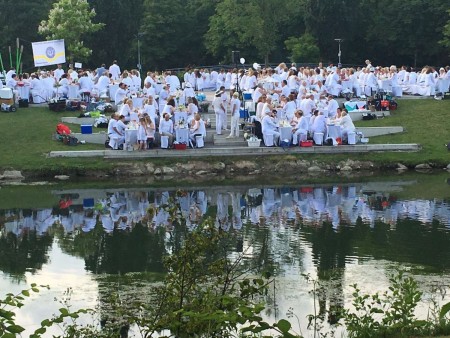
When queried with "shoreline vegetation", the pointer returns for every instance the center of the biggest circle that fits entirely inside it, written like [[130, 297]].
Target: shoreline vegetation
[[27, 139]]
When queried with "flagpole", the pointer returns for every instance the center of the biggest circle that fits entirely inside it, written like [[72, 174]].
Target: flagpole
[[19, 63], [17, 56], [10, 58], [1, 64]]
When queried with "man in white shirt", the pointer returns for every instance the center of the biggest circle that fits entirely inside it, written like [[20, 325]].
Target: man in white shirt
[[332, 106], [114, 70], [149, 90], [285, 90], [166, 128], [58, 72], [235, 106], [219, 110], [12, 83], [121, 93], [269, 127]]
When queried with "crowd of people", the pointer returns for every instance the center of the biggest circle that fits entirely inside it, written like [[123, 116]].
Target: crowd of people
[[300, 97], [274, 207]]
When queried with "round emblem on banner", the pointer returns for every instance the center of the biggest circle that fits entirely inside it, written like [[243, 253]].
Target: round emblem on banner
[[50, 52]]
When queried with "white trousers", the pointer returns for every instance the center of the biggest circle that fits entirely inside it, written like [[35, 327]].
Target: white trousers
[[220, 119], [234, 125]]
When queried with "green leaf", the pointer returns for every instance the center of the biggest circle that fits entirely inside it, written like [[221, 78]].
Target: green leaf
[[64, 311], [26, 293], [9, 335], [15, 329], [284, 325], [444, 310], [41, 330]]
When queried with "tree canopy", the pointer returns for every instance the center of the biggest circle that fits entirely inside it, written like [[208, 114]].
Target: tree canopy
[[177, 33]]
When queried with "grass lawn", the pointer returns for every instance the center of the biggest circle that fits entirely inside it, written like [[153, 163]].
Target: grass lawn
[[26, 138]]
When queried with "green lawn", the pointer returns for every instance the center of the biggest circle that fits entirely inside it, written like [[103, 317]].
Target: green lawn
[[26, 138]]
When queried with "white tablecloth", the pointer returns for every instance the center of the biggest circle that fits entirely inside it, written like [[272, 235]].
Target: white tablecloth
[[285, 133], [130, 138], [182, 135], [333, 131], [180, 115], [24, 92], [73, 92]]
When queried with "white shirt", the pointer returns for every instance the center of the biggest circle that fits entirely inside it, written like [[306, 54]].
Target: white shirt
[[114, 70], [166, 126]]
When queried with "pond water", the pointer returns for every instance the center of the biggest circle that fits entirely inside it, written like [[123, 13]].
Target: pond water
[[87, 242]]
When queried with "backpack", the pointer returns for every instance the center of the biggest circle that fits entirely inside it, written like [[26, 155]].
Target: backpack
[[62, 129], [369, 116], [70, 140]]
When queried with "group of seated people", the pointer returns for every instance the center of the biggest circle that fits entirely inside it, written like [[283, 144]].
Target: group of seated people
[[146, 129], [302, 127], [359, 81]]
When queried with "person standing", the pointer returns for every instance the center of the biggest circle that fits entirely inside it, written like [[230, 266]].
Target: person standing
[[219, 110], [235, 105], [58, 72], [114, 70]]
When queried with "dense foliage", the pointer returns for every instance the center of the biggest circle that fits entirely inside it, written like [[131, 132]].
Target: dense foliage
[[175, 33]]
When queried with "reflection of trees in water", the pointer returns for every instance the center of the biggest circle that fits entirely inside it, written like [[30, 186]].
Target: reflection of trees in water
[[132, 250], [22, 253]]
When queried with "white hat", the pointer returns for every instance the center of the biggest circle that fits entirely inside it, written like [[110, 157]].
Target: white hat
[[188, 85]]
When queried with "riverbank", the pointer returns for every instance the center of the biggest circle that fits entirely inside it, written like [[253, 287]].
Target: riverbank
[[26, 138]]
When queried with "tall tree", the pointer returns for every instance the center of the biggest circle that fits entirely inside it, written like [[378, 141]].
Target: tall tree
[[117, 40], [13, 16], [71, 20], [250, 25]]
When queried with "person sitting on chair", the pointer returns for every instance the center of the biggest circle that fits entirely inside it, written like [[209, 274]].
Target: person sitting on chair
[[270, 128], [346, 124], [301, 127], [198, 128]]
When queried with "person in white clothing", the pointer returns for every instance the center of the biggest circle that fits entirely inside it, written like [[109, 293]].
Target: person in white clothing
[[301, 128], [114, 70], [121, 94], [235, 105], [269, 127], [219, 110], [346, 124], [332, 106], [58, 72], [166, 128]]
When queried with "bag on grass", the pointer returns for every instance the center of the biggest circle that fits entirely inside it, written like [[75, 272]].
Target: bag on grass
[[70, 140], [62, 129]]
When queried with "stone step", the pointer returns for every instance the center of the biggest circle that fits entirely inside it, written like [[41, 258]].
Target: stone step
[[236, 151], [223, 141]]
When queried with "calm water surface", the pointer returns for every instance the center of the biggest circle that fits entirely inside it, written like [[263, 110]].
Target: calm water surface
[[96, 241]]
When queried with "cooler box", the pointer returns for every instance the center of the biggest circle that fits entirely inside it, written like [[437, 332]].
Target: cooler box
[[6, 93], [306, 143], [164, 142], [247, 96], [180, 146], [243, 113], [6, 96], [86, 128], [88, 202]]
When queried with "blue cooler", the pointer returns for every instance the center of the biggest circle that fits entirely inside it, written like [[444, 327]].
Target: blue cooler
[[243, 113], [88, 202], [86, 128], [247, 96]]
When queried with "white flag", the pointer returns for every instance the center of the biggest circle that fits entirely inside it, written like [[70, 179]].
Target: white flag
[[47, 53]]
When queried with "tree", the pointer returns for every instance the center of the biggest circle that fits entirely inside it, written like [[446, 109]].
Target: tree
[[249, 25], [446, 32], [303, 49], [71, 20]]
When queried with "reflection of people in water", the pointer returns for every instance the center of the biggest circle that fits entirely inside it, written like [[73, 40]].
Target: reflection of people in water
[[222, 212], [236, 210]]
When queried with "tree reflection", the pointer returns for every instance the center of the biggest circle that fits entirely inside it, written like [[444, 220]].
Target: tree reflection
[[26, 252]]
